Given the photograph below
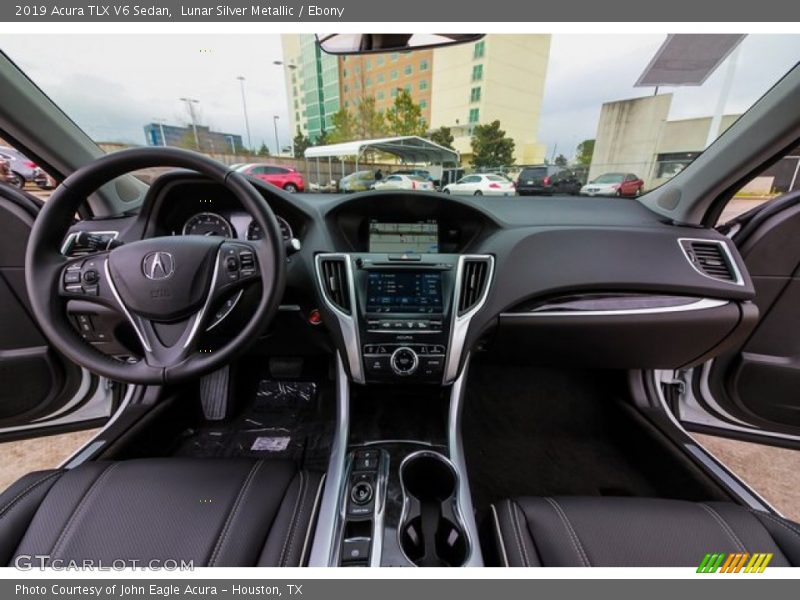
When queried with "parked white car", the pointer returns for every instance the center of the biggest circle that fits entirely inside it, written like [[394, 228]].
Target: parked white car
[[480, 184], [404, 182]]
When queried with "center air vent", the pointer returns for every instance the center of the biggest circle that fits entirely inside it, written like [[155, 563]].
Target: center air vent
[[333, 272], [711, 258], [474, 279]]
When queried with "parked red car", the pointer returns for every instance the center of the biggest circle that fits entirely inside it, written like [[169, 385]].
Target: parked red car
[[614, 184], [285, 178]]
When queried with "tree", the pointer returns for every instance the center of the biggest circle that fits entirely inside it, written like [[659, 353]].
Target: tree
[[405, 116], [490, 147], [300, 143], [585, 151], [263, 151], [370, 122], [442, 136], [344, 127], [561, 161], [187, 141], [322, 139]]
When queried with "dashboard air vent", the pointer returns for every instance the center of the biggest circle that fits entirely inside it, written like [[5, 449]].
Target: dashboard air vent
[[710, 258], [474, 279], [84, 242], [334, 280]]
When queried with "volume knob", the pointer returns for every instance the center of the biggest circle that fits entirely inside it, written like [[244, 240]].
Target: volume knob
[[404, 361]]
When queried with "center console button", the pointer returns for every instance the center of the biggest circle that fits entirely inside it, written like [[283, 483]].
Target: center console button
[[376, 365], [355, 550]]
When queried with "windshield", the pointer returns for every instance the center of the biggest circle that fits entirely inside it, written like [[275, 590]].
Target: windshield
[[610, 178], [596, 106]]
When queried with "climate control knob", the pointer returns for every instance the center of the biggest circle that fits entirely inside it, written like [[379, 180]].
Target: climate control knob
[[404, 361]]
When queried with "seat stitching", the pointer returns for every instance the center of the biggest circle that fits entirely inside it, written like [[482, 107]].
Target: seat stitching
[[282, 557], [311, 519], [515, 510], [775, 519], [78, 509], [299, 515], [9, 505], [725, 527], [245, 485], [576, 542], [514, 529], [500, 538]]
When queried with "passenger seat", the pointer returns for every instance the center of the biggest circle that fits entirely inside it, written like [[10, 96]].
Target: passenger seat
[[631, 532]]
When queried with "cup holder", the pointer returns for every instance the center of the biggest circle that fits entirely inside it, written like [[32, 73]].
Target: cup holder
[[431, 534]]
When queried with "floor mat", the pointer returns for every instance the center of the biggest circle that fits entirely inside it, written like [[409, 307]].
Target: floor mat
[[280, 419], [540, 432]]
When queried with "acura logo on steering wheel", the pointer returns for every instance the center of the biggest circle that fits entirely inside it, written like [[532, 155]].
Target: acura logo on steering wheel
[[158, 265]]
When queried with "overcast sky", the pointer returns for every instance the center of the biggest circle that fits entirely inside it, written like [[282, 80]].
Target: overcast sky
[[112, 85]]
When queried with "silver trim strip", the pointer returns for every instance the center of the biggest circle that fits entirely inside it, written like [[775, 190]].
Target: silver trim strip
[[725, 249], [456, 449], [198, 318], [134, 324], [328, 523], [735, 484], [378, 531], [702, 304], [81, 455], [459, 325], [348, 324]]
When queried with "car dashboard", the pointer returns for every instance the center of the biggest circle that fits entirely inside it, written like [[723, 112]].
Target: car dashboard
[[408, 284]]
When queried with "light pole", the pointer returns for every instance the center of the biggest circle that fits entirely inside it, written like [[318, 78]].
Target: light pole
[[275, 125], [291, 67], [161, 130], [190, 102], [244, 107]]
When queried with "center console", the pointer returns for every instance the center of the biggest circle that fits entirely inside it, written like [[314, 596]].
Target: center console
[[400, 313], [404, 316]]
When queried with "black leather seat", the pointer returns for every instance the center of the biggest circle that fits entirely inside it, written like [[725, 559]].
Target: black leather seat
[[214, 512], [632, 532]]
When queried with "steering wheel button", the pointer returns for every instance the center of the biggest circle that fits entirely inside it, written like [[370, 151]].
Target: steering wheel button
[[91, 290], [91, 276], [72, 277], [231, 264]]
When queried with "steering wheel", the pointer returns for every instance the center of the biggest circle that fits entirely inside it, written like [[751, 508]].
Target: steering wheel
[[164, 286]]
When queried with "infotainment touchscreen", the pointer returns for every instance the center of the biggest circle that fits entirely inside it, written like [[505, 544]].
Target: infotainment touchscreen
[[404, 292], [421, 237]]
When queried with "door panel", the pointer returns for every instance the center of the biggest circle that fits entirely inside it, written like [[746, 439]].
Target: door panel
[[38, 384], [760, 382]]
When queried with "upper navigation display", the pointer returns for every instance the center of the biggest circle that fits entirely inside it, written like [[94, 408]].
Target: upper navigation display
[[404, 238]]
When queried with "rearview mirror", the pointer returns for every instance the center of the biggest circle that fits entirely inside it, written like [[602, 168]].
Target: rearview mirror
[[368, 43]]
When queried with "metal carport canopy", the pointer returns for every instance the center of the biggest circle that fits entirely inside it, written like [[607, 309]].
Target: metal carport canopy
[[412, 149]]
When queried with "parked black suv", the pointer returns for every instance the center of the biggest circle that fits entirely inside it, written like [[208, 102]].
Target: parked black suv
[[547, 179]]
